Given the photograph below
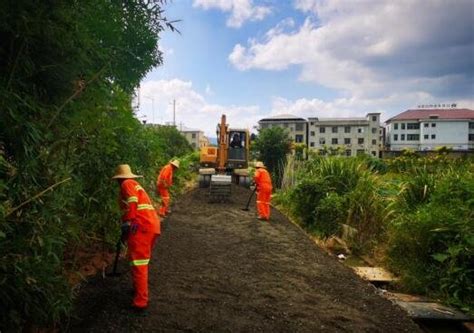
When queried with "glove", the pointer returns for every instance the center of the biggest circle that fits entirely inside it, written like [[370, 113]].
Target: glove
[[125, 231]]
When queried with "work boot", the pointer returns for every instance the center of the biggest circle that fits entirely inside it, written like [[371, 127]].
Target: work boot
[[139, 312]]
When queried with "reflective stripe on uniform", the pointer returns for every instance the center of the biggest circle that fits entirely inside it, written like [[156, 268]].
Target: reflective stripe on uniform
[[145, 207], [138, 187], [139, 262], [132, 199]]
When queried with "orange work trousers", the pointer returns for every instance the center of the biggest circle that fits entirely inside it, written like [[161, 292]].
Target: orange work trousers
[[140, 246], [165, 200], [263, 202]]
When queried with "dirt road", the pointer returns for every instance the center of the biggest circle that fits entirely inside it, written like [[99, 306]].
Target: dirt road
[[218, 269]]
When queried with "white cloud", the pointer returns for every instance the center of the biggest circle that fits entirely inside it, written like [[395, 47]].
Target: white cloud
[[192, 108], [373, 48], [240, 10]]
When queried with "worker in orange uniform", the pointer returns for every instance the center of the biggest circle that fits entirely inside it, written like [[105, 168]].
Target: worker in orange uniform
[[263, 183], [140, 229], [163, 183]]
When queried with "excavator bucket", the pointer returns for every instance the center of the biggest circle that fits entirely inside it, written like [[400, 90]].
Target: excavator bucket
[[220, 188]]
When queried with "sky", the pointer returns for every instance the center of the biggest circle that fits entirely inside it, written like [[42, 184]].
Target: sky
[[252, 59]]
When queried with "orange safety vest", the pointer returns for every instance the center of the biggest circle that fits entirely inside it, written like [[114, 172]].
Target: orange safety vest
[[165, 178], [262, 179], [137, 206]]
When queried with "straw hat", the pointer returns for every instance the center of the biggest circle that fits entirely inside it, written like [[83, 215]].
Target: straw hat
[[260, 165], [123, 171], [175, 163]]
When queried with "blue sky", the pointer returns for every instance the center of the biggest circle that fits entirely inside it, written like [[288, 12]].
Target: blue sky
[[252, 59]]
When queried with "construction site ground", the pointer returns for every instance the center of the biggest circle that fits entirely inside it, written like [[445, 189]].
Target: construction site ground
[[216, 268]]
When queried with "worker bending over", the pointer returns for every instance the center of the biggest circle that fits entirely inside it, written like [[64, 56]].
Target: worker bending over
[[263, 184], [163, 183], [140, 228]]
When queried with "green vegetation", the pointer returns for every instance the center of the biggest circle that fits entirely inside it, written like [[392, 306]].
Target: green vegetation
[[68, 72], [271, 146], [418, 210]]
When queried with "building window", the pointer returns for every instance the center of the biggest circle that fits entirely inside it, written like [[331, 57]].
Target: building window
[[360, 141], [299, 127], [426, 136], [322, 141], [311, 123], [374, 153], [403, 125], [433, 136], [298, 138], [311, 144], [285, 125], [413, 126], [471, 125], [374, 118], [347, 141], [395, 137], [433, 124], [334, 129], [347, 129], [374, 142], [360, 151], [413, 137], [193, 145], [322, 130], [402, 137], [348, 152], [426, 124], [334, 141], [374, 130], [193, 135], [471, 137], [312, 133], [395, 126]]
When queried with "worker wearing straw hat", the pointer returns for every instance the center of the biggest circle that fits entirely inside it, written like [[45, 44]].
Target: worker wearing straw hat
[[163, 183], [263, 183], [140, 228]]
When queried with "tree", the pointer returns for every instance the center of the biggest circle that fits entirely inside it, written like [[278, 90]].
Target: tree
[[271, 146]]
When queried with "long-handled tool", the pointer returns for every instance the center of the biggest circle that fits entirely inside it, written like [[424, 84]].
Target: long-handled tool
[[118, 248], [250, 198]]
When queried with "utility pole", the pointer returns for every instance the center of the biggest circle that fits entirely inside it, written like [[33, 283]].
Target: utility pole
[[152, 107], [174, 112]]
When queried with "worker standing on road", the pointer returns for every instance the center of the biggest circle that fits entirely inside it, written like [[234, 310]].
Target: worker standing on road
[[163, 183], [263, 183], [140, 228]]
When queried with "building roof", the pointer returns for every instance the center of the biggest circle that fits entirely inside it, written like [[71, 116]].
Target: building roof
[[282, 117], [187, 129], [338, 119], [418, 114]]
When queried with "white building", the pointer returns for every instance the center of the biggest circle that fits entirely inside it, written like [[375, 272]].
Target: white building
[[355, 135], [296, 126], [427, 129], [195, 137]]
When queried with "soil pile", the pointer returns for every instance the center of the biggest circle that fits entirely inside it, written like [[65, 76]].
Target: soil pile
[[217, 268]]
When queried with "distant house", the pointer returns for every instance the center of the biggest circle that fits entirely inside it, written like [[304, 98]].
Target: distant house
[[195, 137], [358, 135], [427, 129], [295, 126]]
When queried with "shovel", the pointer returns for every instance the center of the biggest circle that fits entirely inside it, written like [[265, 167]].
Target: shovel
[[118, 248], [250, 198]]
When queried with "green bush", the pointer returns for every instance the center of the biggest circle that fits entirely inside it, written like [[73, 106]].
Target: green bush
[[432, 246], [67, 75]]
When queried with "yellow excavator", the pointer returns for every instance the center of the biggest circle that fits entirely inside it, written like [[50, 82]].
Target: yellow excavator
[[225, 164]]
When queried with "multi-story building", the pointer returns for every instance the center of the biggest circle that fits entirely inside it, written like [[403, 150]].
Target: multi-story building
[[427, 129], [296, 126], [355, 135], [195, 137]]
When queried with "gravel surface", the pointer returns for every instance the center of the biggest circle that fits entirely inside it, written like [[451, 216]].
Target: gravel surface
[[216, 268]]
